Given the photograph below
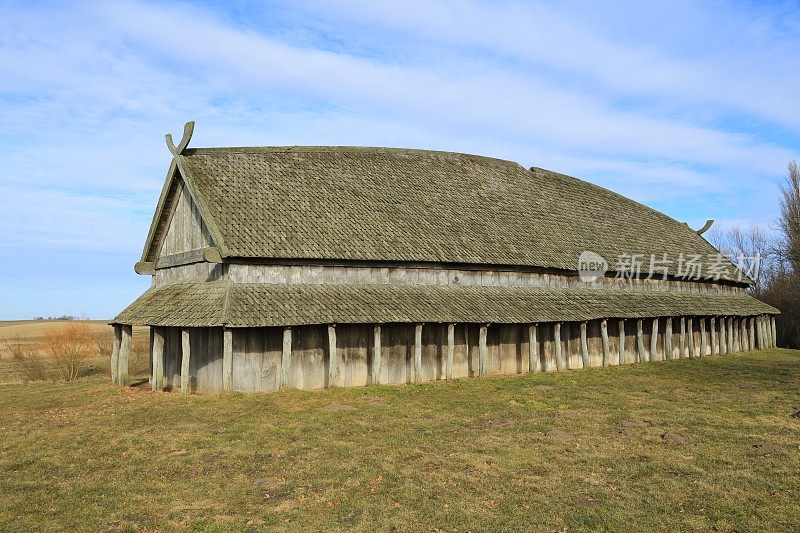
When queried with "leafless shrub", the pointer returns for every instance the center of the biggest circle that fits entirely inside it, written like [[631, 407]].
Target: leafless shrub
[[25, 359], [70, 346]]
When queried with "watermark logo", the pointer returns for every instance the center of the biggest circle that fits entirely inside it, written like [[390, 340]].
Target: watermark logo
[[591, 266]]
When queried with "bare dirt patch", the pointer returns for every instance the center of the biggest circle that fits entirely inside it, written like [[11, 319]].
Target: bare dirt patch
[[677, 438]]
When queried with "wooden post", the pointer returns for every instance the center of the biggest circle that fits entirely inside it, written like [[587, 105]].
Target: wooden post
[[451, 347], [654, 341], [640, 355], [723, 337], [682, 339], [124, 354], [703, 339], [333, 357], [482, 349], [376, 354], [774, 331], [730, 329], [418, 353], [115, 354], [742, 332], [584, 346], [604, 336], [751, 323], [622, 341], [533, 348], [157, 382], [713, 333], [668, 339], [227, 359], [186, 348], [735, 327], [557, 346], [691, 348], [286, 357]]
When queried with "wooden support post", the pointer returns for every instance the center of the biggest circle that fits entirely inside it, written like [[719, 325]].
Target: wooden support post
[[730, 329], [227, 359], [115, 354], [482, 349], [745, 336], [533, 348], [286, 357], [186, 354], [604, 336], [622, 341], [584, 346], [557, 346], [741, 333], [682, 339], [157, 381], [377, 356], [723, 337], [333, 357], [703, 340], [735, 327], [451, 348], [418, 353], [713, 333], [654, 341], [774, 327], [640, 355], [566, 331], [751, 327], [691, 348], [668, 339], [126, 334]]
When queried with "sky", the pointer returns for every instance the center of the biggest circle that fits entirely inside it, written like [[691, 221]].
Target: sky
[[692, 108]]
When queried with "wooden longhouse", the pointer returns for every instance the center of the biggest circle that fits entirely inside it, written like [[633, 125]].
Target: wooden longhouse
[[313, 267]]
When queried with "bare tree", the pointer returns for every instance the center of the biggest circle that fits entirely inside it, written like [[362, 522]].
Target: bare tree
[[789, 222], [750, 248]]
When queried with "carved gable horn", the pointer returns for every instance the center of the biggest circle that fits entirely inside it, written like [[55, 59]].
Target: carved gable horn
[[188, 129]]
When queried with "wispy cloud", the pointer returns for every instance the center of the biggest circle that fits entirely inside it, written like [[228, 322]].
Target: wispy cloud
[[690, 108]]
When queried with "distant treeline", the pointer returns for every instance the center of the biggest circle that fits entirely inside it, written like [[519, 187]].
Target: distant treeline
[[62, 317]]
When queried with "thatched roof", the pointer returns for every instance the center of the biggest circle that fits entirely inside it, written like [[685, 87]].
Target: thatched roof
[[221, 302], [379, 204]]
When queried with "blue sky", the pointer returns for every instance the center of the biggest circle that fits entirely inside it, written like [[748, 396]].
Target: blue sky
[[691, 108]]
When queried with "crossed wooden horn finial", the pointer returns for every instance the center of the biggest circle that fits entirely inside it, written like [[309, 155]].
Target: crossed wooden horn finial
[[188, 129], [705, 227]]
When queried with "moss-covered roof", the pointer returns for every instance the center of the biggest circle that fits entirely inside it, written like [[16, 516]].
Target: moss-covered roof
[[379, 204], [221, 302]]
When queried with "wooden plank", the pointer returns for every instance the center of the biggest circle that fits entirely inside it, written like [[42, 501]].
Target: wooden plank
[[126, 334], [723, 337], [774, 327], [668, 350], [376, 354], [729, 328], [557, 346], [115, 353], [286, 358], [621, 341], [584, 345], [752, 331], [533, 348], [743, 334], [186, 351], [682, 339], [713, 333], [482, 349], [703, 340], [333, 357], [157, 381], [604, 336], [654, 340], [640, 355], [451, 347], [227, 359], [418, 353]]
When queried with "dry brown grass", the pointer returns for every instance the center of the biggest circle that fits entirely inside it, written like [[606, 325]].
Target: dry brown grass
[[70, 346], [25, 358]]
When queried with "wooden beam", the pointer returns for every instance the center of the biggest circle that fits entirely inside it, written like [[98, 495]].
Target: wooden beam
[[157, 380], [743, 334], [227, 359], [668, 339], [723, 337], [186, 354], [752, 332], [557, 346], [376, 353], [691, 348], [682, 339], [640, 355], [482, 349], [731, 335], [286, 358], [712, 331], [703, 339], [774, 327], [418, 353], [126, 332], [654, 340], [115, 353], [533, 348], [604, 337], [567, 334], [621, 341], [145, 268], [212, 255], [584, 345], [333, 357]]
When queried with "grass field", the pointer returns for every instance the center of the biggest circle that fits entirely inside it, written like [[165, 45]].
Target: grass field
[[709, 444]]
